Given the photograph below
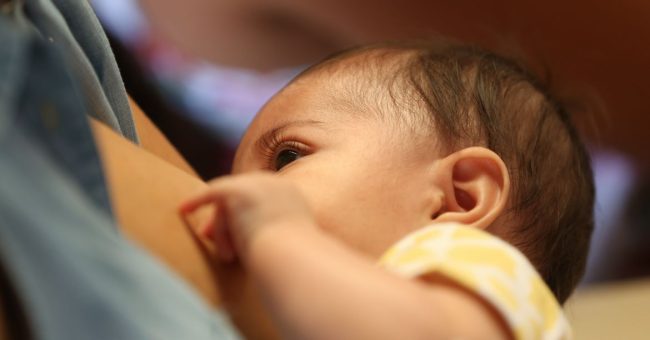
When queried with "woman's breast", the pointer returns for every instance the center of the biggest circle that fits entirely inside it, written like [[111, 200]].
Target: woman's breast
[[146, 191]]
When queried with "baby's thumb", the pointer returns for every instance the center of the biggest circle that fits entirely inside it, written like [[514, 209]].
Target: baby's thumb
[[196, 201]]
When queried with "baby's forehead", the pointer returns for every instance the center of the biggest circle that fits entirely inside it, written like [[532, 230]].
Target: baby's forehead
[[376, 65], [373, 81]]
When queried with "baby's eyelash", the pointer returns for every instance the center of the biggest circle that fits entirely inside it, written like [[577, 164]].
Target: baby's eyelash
[[270, 148]]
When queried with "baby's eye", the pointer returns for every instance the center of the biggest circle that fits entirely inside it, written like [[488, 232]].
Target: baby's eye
[[284, 157], [279, 151]]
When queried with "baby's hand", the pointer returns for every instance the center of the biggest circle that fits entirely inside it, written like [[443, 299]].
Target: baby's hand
[[244, 206]]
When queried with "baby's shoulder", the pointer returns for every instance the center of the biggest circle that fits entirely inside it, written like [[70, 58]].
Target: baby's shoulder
[[486, 265]]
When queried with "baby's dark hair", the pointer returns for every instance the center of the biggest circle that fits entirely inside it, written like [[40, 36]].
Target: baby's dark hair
[[473, 97]]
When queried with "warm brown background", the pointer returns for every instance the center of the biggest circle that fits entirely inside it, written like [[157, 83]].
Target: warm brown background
[[594, 48]]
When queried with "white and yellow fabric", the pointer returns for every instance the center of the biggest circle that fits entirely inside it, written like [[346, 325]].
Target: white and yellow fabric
[[488, 266]]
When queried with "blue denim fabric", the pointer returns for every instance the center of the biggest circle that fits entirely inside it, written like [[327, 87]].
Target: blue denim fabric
[[73, 26], [75, 276]]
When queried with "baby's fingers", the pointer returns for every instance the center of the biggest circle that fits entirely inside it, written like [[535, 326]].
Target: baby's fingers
[[223, 240], [217, 191], [216, 230], [198, 200], [209, 227]]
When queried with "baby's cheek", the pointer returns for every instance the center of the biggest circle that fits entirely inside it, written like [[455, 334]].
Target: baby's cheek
[[349, 208], [371, 225], [352, 226], [336, 218]]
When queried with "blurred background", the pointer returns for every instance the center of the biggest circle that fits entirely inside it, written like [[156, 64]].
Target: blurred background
[[202, 68]]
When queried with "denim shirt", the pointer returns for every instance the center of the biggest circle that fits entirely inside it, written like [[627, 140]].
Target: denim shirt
[[72, 26], [75, 276]]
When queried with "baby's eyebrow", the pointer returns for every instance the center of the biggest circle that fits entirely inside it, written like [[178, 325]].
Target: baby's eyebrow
[[268, 136]]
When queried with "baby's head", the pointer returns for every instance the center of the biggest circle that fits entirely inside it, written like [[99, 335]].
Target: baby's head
[[386, 139]]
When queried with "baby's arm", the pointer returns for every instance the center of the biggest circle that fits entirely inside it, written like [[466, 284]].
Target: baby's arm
[[315, 287]]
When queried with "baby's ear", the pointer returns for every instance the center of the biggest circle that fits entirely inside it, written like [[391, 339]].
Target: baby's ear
[[475, 185]]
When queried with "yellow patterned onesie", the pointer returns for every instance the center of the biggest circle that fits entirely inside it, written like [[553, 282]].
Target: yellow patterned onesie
[[488, 266]]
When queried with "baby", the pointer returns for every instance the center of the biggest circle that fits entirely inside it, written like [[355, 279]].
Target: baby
[[409, 191]]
